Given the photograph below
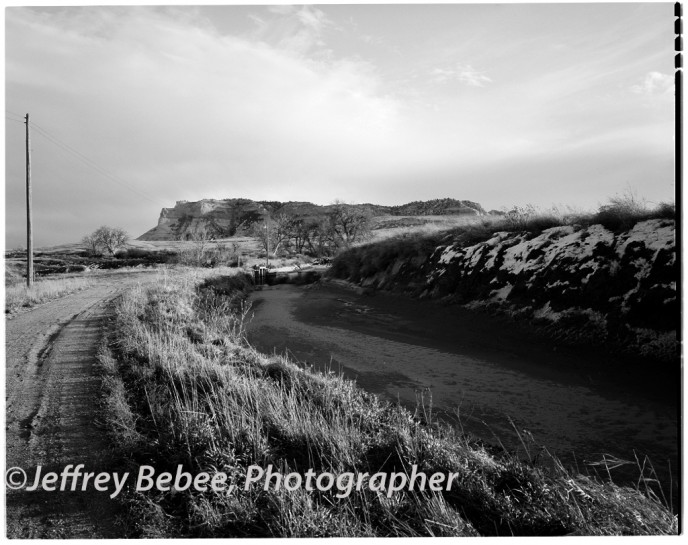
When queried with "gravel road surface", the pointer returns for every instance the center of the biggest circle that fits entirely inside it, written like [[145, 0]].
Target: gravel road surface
[[51, 394]]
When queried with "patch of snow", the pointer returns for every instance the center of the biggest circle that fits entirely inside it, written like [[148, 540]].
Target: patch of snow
[[492, 258], [290, 268], [497, 238], [502, 293], [557, 283], [514, 257], [644, 268], [547, 313], [576, 246], [449, 255], [592, 266], [568, 229], [473, 254], [654, 234]]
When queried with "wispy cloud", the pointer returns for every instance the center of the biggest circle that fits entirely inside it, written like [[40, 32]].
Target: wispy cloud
[[291, 28], [463, 73], [655, 84]]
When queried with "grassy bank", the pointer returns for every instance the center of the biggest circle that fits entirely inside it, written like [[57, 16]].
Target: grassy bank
[[183, 388], [19, 295], [621, 213]]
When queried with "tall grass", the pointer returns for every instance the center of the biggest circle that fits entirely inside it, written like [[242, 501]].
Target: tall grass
[[185, 388], [399, 228], [19, 295]]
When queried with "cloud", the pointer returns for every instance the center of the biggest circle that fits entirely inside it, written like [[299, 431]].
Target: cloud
[[152, 67], [655, 84], [251, 102], [282, 9], [181, 111], [465, 74], [471, 77], [291, 28], [313, 18]]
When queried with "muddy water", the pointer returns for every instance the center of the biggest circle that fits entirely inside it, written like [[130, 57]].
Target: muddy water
[[477, 370]]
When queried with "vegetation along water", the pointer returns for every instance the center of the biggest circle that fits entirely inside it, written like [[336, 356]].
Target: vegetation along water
[[183, 387]]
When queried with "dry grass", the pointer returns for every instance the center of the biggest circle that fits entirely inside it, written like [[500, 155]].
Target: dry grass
[[19, 295], [187, 389], [387, 227]]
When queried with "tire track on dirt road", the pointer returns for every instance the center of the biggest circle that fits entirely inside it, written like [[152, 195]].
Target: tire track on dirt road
[[52, 390]]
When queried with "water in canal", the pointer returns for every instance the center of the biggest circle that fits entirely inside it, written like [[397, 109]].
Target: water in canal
[[481, 371]]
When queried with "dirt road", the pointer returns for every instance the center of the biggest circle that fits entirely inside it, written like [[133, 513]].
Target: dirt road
[[51, 392]]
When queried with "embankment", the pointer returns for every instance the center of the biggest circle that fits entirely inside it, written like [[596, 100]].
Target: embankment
[[580, 284], [184, 393]]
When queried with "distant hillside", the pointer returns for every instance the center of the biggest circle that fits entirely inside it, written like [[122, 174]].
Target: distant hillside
[[227, 217], [435, 207]]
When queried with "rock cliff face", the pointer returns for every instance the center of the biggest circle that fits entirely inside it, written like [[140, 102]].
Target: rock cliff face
[[581, 283], [219, 218], [224, 218]]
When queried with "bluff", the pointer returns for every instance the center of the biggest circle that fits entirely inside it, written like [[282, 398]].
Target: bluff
[[227, 217], [218, 218], [581, 283]]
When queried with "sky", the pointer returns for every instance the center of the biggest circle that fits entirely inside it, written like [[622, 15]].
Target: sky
[[134, 108]]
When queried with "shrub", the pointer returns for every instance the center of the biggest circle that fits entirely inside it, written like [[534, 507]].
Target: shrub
[[621, 219], [138, 253], [665, 210], [622, 212]]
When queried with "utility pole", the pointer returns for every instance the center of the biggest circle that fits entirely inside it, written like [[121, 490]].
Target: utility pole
[[29, 227], [267, 240]]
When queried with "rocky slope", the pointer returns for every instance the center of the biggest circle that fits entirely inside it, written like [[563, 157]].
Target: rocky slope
[[583, 283], [219, 218], [226, 217]]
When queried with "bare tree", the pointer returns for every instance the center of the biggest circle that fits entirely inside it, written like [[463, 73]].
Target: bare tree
[[319, 238], [343, 226], [105, 238], [195, 251], [348, 224], [92, 242], [282, 231], [111, 238], [260, 231], [299, 233], [273, 233]]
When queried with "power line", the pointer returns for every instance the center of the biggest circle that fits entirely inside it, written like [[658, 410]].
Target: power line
[[81, 157], [45, 133], [89, 163], [84, 160], [17, 117]]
